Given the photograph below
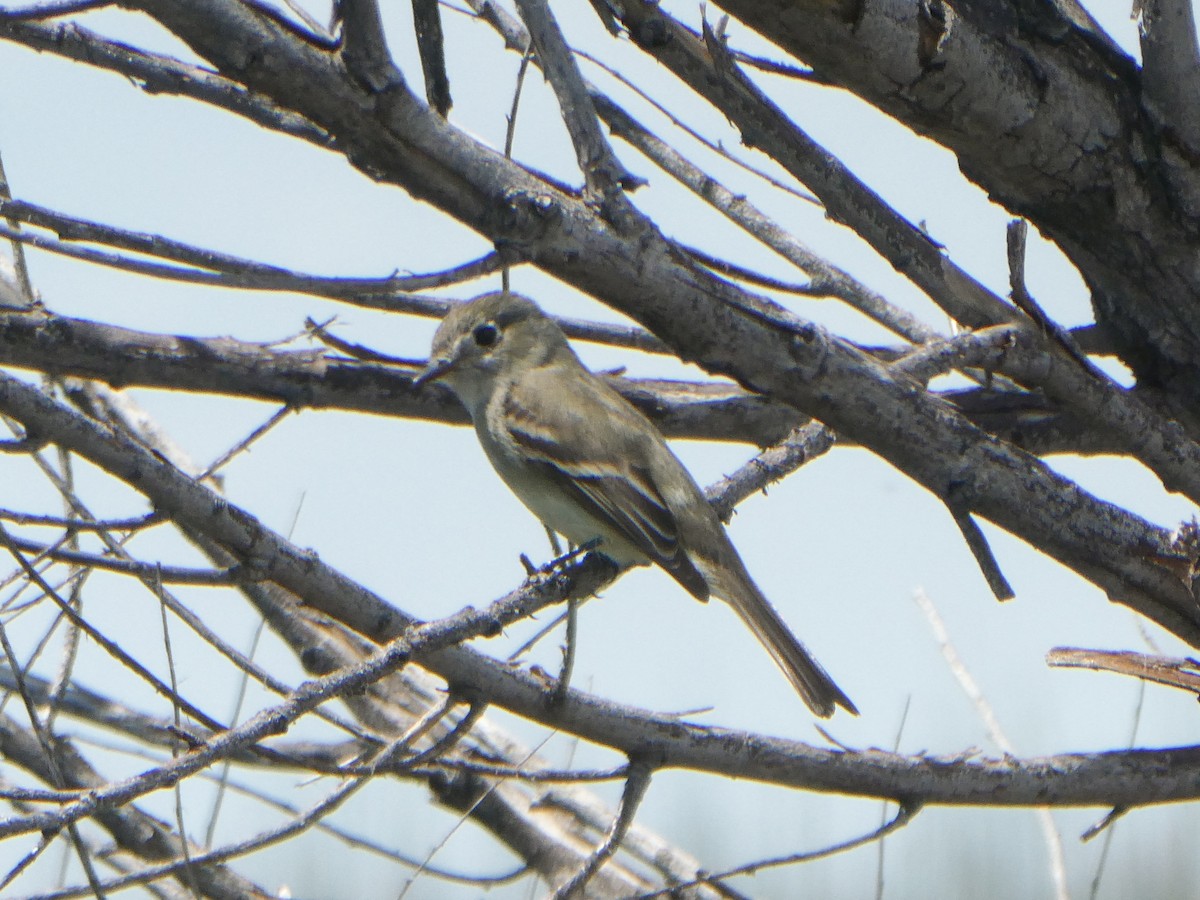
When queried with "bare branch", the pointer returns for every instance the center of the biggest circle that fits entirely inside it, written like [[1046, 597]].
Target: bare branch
[[168, 574], [364, 45], [1161, 444], [805, 443], [637, 273], [987, 715], [143, 835], [109, 645], [203, 266], [1177, 673], [716, 146], [706, 66], [602, 171], [637, 782], [24, 288], [155, 73], [1117, 778], [825, 278], [1017, 232], [903, 816], [1171, 71], [54, 9], [314, 379], [977, 543], [427, 18], [416, 706]]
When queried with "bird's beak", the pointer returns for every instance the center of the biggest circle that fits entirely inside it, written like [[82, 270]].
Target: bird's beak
[[434, 370]]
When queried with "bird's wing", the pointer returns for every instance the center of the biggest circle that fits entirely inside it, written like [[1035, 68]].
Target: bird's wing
[[607, 467]]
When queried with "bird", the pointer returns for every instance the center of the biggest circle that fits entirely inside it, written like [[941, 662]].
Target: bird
[[595, 470]]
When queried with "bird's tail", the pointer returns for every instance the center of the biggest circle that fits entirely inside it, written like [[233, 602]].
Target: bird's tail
[[811, 681]]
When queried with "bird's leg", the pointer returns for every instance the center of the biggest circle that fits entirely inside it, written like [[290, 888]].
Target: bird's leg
[[556, 697], [568, 654], [559, 561], [568, 651], [560, 558], [555, 546]]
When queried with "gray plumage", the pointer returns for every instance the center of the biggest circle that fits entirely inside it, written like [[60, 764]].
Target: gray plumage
[[591, 467]]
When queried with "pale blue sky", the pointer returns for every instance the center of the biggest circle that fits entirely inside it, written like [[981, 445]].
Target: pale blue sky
[[413, 510]]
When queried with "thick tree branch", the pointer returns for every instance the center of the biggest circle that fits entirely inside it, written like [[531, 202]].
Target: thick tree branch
[[1117, 414], [709, 322], [724, 329], [1047, 115], [1171, 71], [364, 46], [705, 65], [60, 345], [1117, 778]]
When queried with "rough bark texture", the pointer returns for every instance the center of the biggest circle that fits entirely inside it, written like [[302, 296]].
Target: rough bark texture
[[1049, 117], [1043, 111]]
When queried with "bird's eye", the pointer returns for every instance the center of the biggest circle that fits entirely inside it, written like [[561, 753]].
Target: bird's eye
[[486, 334]]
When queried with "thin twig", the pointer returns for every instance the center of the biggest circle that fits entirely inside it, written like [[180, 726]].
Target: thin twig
[[904, 815], [434, 753], [640, 844], [54, 767], [774, 67], [715, 146], [732, 270], [1182, 673], [160, 74], [462, 819], [188, 869], [879, 881], [978, 544], [244, 444], [825, 278], [203, 266], [1017, 234], [51, 9], [510, 131], [602, 171], [1105, 824], [570, 642], [71, 524], [24, 285], [636, 785], [222, 776], [361, 842], [167, 574], [110, 646], [73, 636], [987, 715]]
